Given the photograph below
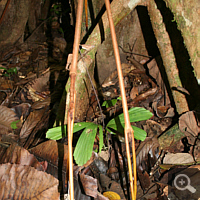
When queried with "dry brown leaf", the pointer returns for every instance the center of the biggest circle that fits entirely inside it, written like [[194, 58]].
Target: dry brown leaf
[[41, 104], [41, 84], [18, 155], [25, 182], [22, 110], [49, 151], [134, 92], [149, 147], [155, 73], [188, 124], [60, 43], [38, 87], [163, 111], [30, 123], [56, 154], [178, 158], [89, 185], [7, 116]]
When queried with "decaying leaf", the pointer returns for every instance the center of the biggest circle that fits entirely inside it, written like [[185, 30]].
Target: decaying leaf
[[7, 116], [22, 110], [18, 155], [50, 151], [41, 104], [155, 73], [32, 120], [178, 158], [149, 147], [110, 185], [39, 87], [188, 124], [89, 185], [25, 182]]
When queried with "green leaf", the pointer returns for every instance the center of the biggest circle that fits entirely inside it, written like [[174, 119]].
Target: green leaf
[[109, 103], [139, 134], [3, 68], [135, 114], [12, 70], [56, 133], [84, 146], [14, 124], [100, 138], [81, 125]]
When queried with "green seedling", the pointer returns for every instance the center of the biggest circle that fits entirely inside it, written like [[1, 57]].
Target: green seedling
[[84, 146], [111, 103], [14, 124], [9, 72]]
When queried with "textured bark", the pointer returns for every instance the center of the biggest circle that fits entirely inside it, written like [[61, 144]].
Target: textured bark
[[186, 13], [166, 51], [14, 21]]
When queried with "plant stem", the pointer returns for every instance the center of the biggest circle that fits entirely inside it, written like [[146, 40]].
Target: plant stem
[[128, 131], [71, 110]]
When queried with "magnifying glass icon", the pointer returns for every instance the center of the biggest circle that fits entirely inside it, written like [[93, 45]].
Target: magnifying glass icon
[[182, 182]]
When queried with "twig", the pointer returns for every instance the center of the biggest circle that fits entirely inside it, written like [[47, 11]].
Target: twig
[[128, 131], [137, 54], [71, 111]]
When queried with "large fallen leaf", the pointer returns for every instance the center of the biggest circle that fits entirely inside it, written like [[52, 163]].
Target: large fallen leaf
[[51, 151], [25, 182], [188, 124], [18, 155], [7, 117], [187, 179], [56, 154]]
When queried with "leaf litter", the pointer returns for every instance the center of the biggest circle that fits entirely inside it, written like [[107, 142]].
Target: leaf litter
[[28, 96]]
